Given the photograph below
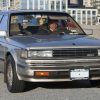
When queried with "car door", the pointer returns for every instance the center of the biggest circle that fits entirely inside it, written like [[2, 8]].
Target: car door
[[3, 27]]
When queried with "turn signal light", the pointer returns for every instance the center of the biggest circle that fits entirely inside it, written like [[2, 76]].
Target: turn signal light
[[41, 73]]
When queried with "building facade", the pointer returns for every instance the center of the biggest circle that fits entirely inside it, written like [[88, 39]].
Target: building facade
[[88, 3], [59, 5], [9, 4], [75, 3], [4, 4], [74, 7], [96, 4], [84, 16], [81, 15]]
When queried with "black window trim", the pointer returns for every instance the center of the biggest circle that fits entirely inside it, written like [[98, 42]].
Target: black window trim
[[2, 17]]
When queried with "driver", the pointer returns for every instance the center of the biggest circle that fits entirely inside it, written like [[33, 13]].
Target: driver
[[53, 26]]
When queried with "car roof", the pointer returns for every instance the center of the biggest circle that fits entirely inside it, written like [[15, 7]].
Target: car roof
[[29, 11]]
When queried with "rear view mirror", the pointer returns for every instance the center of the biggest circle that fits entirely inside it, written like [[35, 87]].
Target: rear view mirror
[[3, 33], [88, 31]]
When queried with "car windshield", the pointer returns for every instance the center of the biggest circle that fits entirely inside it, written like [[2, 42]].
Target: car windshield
[[43, 24]]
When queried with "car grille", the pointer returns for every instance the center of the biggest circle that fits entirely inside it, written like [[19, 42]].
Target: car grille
[[77, 52]]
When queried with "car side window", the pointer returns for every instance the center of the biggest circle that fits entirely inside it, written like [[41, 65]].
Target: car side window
[[3, 23]]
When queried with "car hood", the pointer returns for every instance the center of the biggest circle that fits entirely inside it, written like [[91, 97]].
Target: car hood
[[56, 40]]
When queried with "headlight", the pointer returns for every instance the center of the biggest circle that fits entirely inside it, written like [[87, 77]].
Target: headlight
[[22, 53], [98, 52], [39, 54], [33, 54]]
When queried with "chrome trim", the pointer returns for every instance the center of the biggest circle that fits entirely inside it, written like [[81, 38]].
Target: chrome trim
[[53, 80], [53, 70], [94, 68], [62, 61], [95, 78], [44, 80], [61, 47]]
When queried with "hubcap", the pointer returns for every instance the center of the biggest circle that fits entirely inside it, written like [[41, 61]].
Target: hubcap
[[10, 75]]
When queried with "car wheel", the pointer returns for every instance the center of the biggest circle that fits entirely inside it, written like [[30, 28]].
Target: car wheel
[[14, 85]]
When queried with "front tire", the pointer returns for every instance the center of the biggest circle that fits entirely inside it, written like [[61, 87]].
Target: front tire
[[14, 85]]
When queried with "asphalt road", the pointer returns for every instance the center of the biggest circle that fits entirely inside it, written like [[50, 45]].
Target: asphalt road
[[78, 90]]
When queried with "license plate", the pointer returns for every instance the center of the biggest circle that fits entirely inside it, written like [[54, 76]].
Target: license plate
[[79, 74]]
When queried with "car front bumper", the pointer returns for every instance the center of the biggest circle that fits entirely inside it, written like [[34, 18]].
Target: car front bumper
[[59, 70]]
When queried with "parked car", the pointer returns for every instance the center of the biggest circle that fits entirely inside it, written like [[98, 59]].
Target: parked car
[[45, 46]]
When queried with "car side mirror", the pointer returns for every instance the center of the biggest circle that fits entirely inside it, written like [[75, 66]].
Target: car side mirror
[[3, 34], [88, 31]]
